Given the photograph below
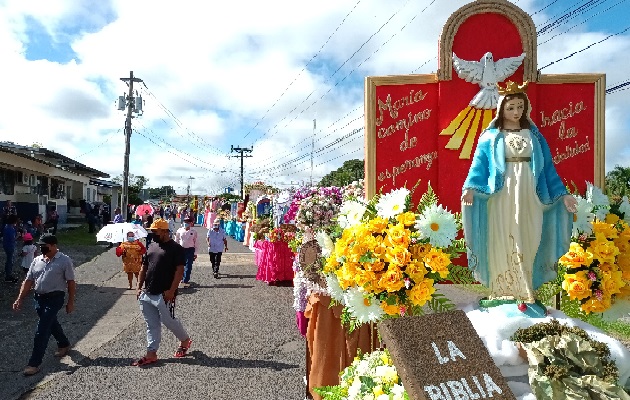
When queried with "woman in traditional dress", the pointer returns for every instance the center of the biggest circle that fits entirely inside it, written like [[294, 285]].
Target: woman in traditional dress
[[131, 252], [517, 213]]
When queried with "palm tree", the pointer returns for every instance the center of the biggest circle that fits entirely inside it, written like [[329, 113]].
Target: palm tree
[[618, 182]]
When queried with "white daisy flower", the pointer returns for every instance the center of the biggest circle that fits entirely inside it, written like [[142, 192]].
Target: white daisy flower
[[392, 204], [583, 217], [363, 309], [334, 289], [350, 213], [600, 202], [624, 208], [325, 243], [438, 225]]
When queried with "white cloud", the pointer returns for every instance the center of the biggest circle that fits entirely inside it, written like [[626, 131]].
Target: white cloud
[[220, 68]]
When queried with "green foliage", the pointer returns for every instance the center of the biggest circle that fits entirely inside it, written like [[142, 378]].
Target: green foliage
[[428, 199], [331, 392], [440, 303], [351, 170], [460, 275], [618, 182], [136, 184], [547, 293]]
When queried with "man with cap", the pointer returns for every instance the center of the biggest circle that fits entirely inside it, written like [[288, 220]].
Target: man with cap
[[187, 238], [217, 243], [49, 275], [162, 270]]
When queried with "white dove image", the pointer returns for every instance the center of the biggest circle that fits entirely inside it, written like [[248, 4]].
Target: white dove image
[[487, 73]]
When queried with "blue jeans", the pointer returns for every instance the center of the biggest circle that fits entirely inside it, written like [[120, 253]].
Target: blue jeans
[[8, 266], [189, 252], [47, 308]]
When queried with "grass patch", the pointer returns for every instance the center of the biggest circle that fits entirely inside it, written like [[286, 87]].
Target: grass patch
[[76, 236]]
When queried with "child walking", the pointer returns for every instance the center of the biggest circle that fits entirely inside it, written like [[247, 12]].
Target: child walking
[[29, 251], [131, 252]]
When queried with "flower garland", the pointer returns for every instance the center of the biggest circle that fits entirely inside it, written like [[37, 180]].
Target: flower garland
[[596, 269], [371, 376], [386, 262]]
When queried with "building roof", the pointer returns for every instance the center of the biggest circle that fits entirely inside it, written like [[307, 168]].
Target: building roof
[[52, 159]]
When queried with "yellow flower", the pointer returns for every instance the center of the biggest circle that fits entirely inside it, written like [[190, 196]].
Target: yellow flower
[[421, 292], [388, 374], [612, 282], [603, 249], [376, 266], [378, 225], [438, 261], [419, 250], [393, 309], [594, 305], [577, 285], [377, 390], [623, 260], [608, 230], [331, 264], [625, 233], [576, 256], [397, 235], [612, 219], [392, 279], [622, 244], [379, 251], [385, 358], [416, 271], [398, 255], [407, 218]]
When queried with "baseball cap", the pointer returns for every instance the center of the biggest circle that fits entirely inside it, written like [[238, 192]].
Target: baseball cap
[[159, 223], [27, 236], [50, 239]]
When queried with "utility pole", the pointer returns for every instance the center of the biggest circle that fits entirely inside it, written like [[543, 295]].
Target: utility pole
[[313, 148], [132, 106], [241, 150]]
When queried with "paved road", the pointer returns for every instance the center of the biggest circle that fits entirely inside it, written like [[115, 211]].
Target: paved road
[[245, 344]]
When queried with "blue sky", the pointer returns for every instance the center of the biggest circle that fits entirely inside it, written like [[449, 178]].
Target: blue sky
[[240, 77]]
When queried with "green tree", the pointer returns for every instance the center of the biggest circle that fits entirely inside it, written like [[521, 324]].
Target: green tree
[[351, 170], [136, 184], [618, 182], [162, 193]]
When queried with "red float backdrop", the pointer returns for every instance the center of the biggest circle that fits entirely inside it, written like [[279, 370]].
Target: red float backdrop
[[402, 156]]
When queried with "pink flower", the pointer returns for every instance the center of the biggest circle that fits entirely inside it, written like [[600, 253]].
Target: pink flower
[[599, 294], [403, 311], [592, 276]]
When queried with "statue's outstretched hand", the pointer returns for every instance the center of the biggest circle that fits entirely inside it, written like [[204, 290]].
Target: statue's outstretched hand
[[570, 203], [467, 197]]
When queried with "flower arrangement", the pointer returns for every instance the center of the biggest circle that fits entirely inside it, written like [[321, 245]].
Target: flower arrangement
[[315, 207], [388, 258], [280, 235], [371, 376], [596, 269]]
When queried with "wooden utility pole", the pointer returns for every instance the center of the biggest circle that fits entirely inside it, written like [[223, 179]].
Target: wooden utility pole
[[130, 109]]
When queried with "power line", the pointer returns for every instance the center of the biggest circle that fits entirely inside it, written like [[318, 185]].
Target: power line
[[337, 70], [98, 146], [303, 69], [586, 48]]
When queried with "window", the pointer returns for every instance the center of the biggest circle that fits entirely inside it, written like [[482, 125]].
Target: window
[[7, 181], [42, 186], [57, 189]]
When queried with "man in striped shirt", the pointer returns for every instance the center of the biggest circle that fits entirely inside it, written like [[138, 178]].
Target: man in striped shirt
[[187, 238]]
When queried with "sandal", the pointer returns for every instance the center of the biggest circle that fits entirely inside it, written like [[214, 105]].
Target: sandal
[[182, 351], [141, 362]]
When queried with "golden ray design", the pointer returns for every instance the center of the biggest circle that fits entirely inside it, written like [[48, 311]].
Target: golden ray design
[[466, 125]]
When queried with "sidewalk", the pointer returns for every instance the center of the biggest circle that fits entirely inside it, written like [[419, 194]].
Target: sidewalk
[[246, 344]]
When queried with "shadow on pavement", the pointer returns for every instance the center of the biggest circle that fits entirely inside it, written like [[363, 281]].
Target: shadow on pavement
[[17, 332], [193, 289], [230, 276]]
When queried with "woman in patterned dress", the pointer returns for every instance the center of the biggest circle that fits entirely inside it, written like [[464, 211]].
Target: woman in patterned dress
[[131, 252]]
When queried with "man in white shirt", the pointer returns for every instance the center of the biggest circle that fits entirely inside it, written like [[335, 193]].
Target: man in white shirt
[[217, 243], [187, 238]]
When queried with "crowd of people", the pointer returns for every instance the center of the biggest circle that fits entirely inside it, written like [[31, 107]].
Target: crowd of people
[[160, 268]]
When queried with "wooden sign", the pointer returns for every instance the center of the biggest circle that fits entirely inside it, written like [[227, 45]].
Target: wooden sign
[[424, 128], [440, 357]]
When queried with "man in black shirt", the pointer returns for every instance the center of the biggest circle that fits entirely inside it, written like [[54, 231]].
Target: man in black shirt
[[161, 272]]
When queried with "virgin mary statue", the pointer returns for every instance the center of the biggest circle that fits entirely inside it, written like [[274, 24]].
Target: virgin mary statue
[[517, 213]]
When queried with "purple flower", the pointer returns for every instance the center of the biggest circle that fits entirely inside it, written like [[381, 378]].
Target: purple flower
[[592, 276], [599, 294]]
